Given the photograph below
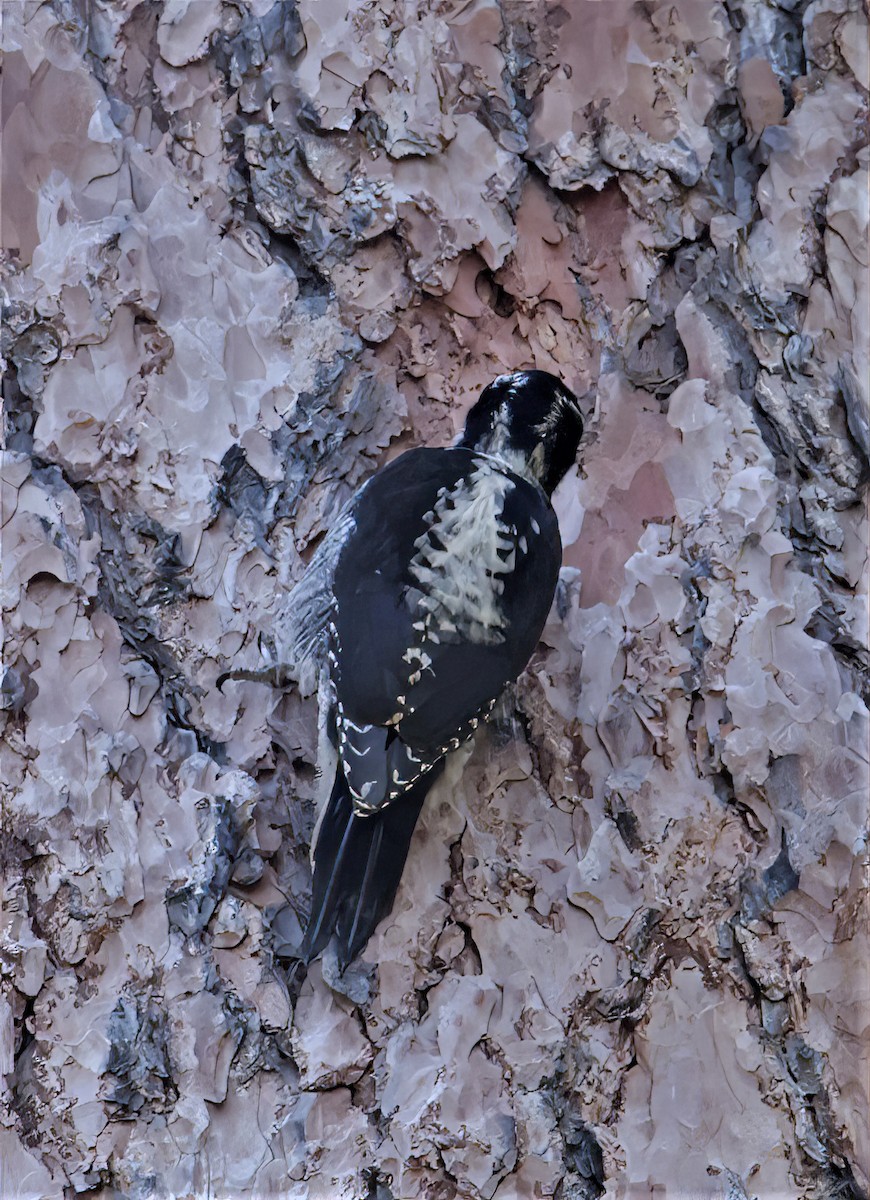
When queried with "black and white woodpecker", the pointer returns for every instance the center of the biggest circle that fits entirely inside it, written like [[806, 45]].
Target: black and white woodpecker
[[425, 600]]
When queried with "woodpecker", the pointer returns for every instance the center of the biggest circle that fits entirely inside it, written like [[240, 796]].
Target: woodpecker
[[424, 601]]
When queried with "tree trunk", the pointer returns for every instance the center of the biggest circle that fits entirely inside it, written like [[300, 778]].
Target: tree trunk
[[253, 250]]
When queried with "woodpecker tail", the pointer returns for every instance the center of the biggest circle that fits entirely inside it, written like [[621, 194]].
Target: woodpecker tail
[[358, 863]]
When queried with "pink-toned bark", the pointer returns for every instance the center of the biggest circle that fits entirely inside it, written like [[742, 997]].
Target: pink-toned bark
[[252, 252]]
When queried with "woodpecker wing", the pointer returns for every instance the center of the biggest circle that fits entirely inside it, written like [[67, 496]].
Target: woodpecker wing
[[441, 591]]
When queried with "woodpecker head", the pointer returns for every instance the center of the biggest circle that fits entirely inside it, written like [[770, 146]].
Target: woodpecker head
[[529, 420]]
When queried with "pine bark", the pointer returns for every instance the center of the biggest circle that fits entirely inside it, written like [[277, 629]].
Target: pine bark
[[254, 250]]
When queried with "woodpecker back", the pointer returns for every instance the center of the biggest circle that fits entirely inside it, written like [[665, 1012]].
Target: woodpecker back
[[435, 611]]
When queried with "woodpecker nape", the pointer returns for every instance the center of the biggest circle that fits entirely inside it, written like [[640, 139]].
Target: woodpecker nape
[[423, 602]]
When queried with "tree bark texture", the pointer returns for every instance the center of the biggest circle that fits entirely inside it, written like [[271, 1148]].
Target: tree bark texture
[[253, 250]]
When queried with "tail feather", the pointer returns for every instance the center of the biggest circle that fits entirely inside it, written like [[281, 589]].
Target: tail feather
[[365, 899], [358, 863], [328, 887]]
